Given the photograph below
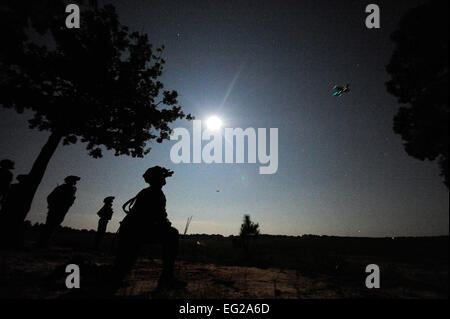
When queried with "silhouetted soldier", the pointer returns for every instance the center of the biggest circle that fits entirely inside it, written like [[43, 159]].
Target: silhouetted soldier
[[146, 221], [105, 214], [59, 201], [6, 177], [11, 223]]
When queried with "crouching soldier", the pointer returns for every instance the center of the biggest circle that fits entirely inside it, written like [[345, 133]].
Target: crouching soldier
[[59, 201], [146, 221], [105, 213]]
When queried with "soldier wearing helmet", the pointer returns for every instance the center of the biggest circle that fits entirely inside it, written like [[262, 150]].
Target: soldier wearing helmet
[[146, 222], [59, 201], [11, 223], [105, 213]]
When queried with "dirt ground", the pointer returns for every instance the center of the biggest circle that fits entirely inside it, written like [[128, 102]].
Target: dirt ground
[[41, 275]]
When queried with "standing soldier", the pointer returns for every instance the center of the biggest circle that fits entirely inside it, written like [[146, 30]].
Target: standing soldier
[[105, 213], [6, 177], [146, 221], [11, 223], [59, 201]]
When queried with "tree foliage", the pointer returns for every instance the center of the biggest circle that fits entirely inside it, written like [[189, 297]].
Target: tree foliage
[[99, 83], [249, 231], [420, 77], [249, 228]]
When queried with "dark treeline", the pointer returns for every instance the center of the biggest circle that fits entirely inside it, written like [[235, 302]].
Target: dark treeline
[[271, 250]]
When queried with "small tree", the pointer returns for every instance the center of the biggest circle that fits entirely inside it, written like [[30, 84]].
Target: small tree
[[420, 77], [249, 231], [99, 84]]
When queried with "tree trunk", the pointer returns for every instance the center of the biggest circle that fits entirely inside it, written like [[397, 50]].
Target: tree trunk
[[40, 165], [14, 216]]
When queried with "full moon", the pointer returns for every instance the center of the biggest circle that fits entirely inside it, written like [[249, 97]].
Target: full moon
[[214, 123]]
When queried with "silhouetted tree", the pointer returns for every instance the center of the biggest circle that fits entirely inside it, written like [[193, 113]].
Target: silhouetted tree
[[98, 84], [248, 231], [420, 77], [249, 228], [16, 17]]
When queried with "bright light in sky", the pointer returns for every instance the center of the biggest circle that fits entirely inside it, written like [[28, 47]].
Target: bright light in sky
[[214, 123]]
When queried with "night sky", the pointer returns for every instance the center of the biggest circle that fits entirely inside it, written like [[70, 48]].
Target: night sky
[[264, 64]]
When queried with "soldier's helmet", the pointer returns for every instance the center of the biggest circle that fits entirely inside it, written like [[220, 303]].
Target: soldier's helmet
[[108, 199], [71, 178], [157, 171], [6, 163]]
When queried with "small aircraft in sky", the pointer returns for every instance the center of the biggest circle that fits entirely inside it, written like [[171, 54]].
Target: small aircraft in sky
[[341, 90]]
